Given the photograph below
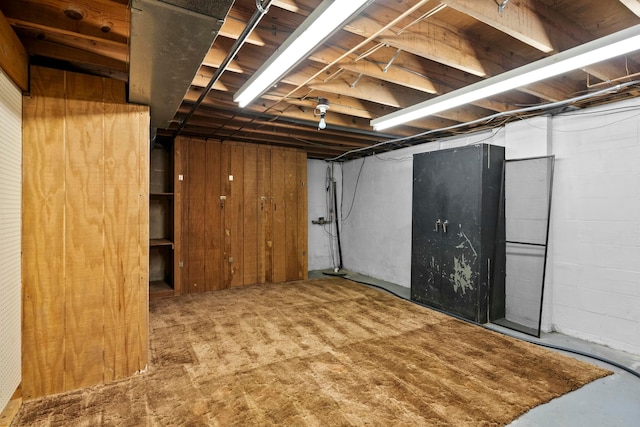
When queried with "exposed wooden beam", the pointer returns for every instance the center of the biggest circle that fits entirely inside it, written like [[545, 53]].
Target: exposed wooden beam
[[431, 41], [392, 74], [110, 66], [216, 55], [632, 5], [379, 92], [224, 99], [234, 26], [250, 122], [439, 42], [203, 77], [13, 56], [103, 19], [537, 25], [107, 48], [516, 19], [404, 72]]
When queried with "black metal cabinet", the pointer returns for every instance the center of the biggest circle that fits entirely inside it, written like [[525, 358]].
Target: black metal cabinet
[[456, 265]]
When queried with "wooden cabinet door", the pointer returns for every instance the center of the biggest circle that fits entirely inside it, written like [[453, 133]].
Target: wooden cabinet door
[[244, 215], [264, 218]]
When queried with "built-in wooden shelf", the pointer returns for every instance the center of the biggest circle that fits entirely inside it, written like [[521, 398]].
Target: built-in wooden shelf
[[160, 242], [160, 289], [161, 194]]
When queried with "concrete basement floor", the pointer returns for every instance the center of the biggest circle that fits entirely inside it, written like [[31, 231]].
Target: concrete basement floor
[[613, 401]]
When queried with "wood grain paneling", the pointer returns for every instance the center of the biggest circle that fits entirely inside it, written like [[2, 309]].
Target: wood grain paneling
[[43, 215], [250, 217], [177, 216], [292, 262], [182, 145], [195, 216], [138, 333], [213, 221], [265, 217], [303, 217], [84, 230], [85, 261], [234, 212], [121, 206], [257, 233], [225, 195], [279, 218]]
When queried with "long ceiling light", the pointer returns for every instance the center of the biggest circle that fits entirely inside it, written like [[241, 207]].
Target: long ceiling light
[[604, 48], [324, 21]]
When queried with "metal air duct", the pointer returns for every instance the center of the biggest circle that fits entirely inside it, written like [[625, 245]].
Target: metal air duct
[[169, 40]]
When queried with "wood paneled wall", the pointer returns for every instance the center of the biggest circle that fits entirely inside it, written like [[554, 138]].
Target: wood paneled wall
[[85, 233], [244, 214]]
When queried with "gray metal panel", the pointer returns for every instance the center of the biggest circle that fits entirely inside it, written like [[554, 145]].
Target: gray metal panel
[[215, 9], [450, 267], [168, 45]]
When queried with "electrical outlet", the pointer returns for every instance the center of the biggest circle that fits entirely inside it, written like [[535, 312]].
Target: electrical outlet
[[320, 221]]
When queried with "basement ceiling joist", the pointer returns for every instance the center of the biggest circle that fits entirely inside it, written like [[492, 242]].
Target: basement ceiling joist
[[394, 54]]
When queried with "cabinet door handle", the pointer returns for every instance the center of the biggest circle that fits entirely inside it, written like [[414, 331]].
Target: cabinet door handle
[[444, 226], [437, 226]]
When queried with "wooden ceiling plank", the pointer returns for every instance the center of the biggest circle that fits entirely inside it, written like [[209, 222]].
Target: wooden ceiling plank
[[537, 25], [39, 28], [292, 139], [216, 56], [515, 19], [435, 41], [293, 135], [37, 34], [103, 19], [233, 28], [388, 94], [228, 115], [395, 75], [404, 76], [73, 55]]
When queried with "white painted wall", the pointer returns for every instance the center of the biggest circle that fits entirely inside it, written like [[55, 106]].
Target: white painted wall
[[596, 225], [320, 241], [377, 235], [593, 276], [524, 265]]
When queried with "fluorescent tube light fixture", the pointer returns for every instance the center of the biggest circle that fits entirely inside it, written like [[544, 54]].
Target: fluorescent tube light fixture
[[323, 22], [604, 48]]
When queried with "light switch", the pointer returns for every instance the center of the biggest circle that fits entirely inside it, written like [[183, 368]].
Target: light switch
[[230, 177]]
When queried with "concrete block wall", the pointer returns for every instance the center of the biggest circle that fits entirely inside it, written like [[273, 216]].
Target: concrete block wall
[[526, 203], [376, 236], [592, 289], [596, 225]]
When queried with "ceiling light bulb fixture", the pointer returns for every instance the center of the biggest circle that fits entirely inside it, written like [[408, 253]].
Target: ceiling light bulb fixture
[[323, 106], [328, 17], [601, 49]]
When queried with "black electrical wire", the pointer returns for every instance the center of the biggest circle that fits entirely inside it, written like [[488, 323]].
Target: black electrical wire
[[355, 190], [538, 343]]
